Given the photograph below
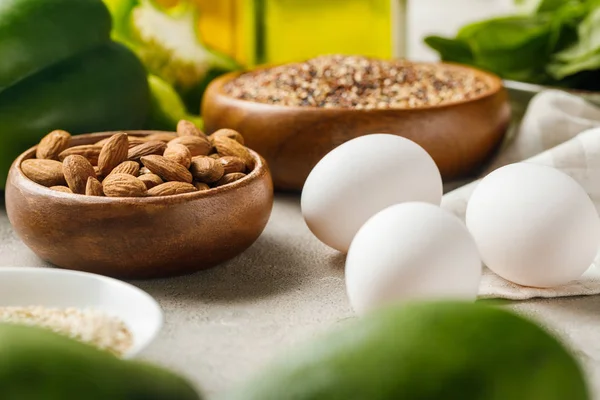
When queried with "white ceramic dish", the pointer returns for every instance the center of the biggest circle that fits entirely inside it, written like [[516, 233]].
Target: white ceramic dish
[[48, 287]]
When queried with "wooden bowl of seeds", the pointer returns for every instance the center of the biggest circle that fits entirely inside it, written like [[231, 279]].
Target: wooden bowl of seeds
[[141, 204], [294, 114]]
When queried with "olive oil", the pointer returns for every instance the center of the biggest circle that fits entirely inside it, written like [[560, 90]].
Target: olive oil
[[218, 24], [277, 31], [290, 30]]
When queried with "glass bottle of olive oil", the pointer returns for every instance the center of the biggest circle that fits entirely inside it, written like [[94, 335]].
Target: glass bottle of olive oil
[[291, 30], [278, 31]]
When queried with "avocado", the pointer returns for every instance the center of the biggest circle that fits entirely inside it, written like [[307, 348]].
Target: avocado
[[425, 351], [38, 364]]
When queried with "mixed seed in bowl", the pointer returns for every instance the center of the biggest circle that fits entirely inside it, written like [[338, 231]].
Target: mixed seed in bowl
[[357, 82]]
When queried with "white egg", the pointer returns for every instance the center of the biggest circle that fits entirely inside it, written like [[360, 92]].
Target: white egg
[[534, 225], [411, 251], [361, 177]]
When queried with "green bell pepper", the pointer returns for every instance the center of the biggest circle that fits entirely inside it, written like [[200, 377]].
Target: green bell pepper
[[167, 107], [180, 64], [59, 69]]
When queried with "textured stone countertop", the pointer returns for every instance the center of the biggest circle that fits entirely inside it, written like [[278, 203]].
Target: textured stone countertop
[[224, 323]]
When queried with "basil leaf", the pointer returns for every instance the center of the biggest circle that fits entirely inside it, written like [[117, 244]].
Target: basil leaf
[[510, 46], [453, 50], [564, 24], [558, 43], [562, 70], [589, 39], [541, 6]]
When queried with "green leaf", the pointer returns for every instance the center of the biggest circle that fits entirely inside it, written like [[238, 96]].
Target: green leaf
[[564, 25], [556, 40], [453, 50], [541, 6], [510, 31], [515, 47], [582, 55], [589, 39], [510, 46], [560, 70], [554, 5]]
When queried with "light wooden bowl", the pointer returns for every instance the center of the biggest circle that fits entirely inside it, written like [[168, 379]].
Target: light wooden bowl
[[459, 136], [139, 237]]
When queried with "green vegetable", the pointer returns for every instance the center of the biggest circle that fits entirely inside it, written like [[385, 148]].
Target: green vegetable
[[426, 351], [167, 42], [582, 55], [540, 6], [120, 10], [167, 108], [169, 45], [525, 38], [454, 50], [556, 43], [38, 364], [59, 69]]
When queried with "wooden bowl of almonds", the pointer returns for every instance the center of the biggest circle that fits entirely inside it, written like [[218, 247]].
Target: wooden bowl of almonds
[[295, 114], [140, 204]]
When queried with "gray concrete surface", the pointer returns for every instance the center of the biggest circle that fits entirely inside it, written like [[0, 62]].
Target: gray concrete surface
[[223, 324]]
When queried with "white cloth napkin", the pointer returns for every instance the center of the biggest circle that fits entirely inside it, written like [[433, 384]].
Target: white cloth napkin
[[558, 130]]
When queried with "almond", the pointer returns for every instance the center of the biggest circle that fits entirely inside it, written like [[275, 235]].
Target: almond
[[144, 171], [146, 149], [131, 140], [171, 188], [135, 141], [229, 147], [236, 176], [230, 133], [206, 169], [167, 169], [77, 170], [61, 189], [113, 153], [45, 172], [127, 167], [179, 153], [187, 128], [214, 155], [161, 136], [123, 185], [198, 146], [102, 142], [232, 164], [53, 144], [201, 186], [150, 180], [89, 151], [93, 187]]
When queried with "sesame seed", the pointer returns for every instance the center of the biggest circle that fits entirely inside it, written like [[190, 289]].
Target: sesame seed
[[88, 326]]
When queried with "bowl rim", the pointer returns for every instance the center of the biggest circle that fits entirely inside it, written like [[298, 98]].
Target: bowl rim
[[218, 85], [137, 348], [260, 167], [535, 88]]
